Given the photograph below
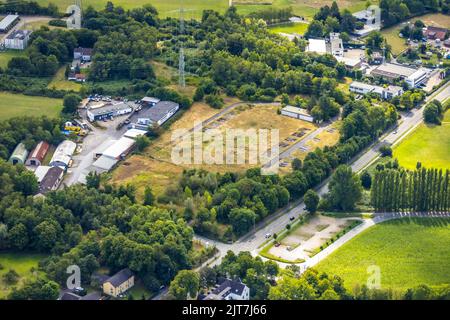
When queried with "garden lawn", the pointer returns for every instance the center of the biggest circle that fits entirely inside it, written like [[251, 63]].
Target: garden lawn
[[59, 82], [409, 252], [429, 144], [15, 105], [21, 263]]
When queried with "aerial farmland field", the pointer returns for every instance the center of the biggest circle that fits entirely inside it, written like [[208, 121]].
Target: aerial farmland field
[[409, 252], [15, 105]]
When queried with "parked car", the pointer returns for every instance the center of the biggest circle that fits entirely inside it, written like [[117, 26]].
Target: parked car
[[268, 235]]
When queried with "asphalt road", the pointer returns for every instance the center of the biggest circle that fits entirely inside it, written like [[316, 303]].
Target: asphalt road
[[256, 238]]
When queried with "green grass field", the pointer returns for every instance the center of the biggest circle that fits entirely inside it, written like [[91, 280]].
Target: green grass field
[[409, 252], [6, 56], [21, 263], [428, 144], [59, 82], [14, 105], [299, 28], [194, 8]]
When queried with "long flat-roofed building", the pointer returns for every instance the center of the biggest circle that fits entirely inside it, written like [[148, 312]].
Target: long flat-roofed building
[[108, 111], [390, 71], [158, 114], [9, 22], [297, 113]]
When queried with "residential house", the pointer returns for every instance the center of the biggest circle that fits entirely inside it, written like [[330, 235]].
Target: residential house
[[119, 283], [83, 54], [435, 33], [228, 289]]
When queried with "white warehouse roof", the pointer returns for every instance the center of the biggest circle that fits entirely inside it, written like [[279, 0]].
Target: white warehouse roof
[[317, 45], [134, 133], [120, 147]]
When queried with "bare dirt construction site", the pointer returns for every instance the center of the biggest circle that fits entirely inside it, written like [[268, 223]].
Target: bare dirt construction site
[[155, 166], [305, 240]]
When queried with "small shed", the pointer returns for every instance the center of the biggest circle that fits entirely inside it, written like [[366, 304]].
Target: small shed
[[19, 154], [38, 154]]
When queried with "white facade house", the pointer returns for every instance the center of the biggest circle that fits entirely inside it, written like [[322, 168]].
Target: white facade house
[[229, 290], [297, 113], [18, 39], [63, 154]]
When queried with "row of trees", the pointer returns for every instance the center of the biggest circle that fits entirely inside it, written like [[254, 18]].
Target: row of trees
[[434, 112], [29, 131], [422, 190]]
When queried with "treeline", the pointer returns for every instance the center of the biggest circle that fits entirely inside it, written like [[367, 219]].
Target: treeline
[[395, 11], [421, 190], [127, 42], [331, 19], [28, 8], [91, 228], [314, 285], [273, 15], [29, 130]]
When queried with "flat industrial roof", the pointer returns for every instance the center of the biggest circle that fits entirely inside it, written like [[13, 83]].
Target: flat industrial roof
[[317, 45], [119, 147], [361, 85], [159, 111], [7, 21], [134, 133], [18, 34], [395, 69], [296, 110], [105, 109]]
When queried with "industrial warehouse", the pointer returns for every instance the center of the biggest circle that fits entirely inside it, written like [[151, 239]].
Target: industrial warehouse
[[9, 22]]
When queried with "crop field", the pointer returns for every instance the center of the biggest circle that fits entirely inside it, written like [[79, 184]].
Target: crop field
[[194, 8], [22, 263], [429, 144], [408, 252], [15, 105]]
